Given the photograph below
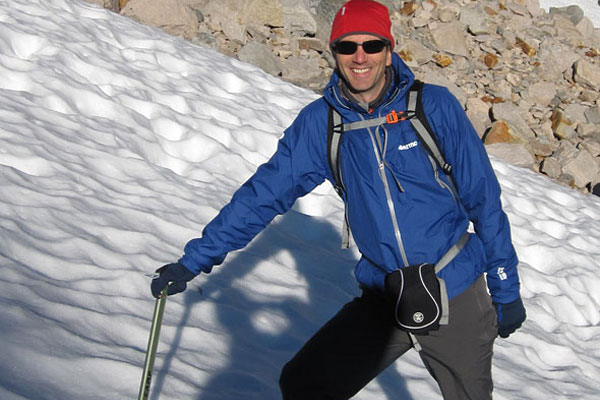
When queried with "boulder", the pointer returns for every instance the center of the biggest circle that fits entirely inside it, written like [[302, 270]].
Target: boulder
[[450, 38], [172, 16], [512, 153], [582, 166], [298, 18], [541, 93], [517, 123], [588, 74], [499, 133], [551, 167], [260, 55]]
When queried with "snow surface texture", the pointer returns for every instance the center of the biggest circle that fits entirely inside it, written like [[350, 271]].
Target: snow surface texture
[[118, 143]]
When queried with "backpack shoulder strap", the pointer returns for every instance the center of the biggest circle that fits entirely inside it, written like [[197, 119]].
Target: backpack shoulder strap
[[335, 132], [424, 131]]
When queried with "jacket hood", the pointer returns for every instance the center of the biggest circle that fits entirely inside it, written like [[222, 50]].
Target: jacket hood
[[403, 80]]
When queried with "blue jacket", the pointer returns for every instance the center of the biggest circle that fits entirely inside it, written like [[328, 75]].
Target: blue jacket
[[430, 215]]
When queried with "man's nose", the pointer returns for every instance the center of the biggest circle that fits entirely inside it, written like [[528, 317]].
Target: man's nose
[[359, 56]]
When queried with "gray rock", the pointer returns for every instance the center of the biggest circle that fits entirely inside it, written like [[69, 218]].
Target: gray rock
[[588, 131], [592, 114], [438, 78], [534, 9], [562, 126], [261, 12], [478, 113], [586, 28], [551, 167], [260, 55], [541, 93], [450, 38], [575, 113], [566, 29], [512, 153], [592, 146], [543, 147], [573, 13], [475, 19], [172, 16], [583, 167], [324, 12], [206, 39], [298, 18], [588, 74], [417, 51], [513, 116], [303, 71], [448, 14]]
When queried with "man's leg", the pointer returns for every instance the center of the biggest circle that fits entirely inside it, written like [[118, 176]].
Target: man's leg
[[459, 355], [350, 350]]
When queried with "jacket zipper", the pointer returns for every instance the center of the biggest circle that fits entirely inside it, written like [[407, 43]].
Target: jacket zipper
[[381, 164], [390, 203], [439, 180]]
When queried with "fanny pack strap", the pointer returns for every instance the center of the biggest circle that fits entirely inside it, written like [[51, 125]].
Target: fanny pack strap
[[452, 252], [445, 260]]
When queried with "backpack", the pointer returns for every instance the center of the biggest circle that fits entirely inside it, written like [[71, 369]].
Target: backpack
[[414, 113]]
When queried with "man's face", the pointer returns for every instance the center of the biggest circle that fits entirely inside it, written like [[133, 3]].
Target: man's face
[[364, 73]]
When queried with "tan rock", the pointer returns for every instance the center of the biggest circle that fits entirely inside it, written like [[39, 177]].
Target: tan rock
[[450, 38], [490, 60], [442, 60], [583, 167], [499, 133], [512, 153], [172, 16], [478, 113], [409, 8], [526, 47], [541, 93], [551, 167], [588, 74], [561, 126]]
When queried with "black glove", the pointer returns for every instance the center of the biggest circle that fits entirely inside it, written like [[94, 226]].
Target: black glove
[[175, 275], [510, 317]]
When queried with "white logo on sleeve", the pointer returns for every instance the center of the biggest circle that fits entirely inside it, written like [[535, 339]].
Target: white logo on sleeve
[[501, 274], [408, 146]]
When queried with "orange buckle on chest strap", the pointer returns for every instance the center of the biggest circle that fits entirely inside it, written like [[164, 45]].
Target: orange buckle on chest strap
[[394, 117]]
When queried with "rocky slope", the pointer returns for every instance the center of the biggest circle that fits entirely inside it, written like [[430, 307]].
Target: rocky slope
[[528, 79]]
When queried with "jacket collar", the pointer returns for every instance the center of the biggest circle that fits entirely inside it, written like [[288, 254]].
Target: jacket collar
[[399, 78]]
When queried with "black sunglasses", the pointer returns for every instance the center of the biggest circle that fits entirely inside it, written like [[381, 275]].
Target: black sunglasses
[[370, 46]]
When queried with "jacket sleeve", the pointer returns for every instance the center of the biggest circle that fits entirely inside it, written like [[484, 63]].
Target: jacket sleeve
[[479, 192], [294, 170]]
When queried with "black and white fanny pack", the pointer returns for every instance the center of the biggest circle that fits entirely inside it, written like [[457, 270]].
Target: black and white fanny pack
[[421, 300]]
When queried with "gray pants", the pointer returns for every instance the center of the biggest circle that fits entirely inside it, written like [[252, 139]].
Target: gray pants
[[360, 341]]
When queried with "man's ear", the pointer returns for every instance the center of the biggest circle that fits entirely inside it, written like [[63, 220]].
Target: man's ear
[[388, 60]]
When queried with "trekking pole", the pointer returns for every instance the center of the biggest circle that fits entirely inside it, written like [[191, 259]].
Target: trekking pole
[[159, 308]]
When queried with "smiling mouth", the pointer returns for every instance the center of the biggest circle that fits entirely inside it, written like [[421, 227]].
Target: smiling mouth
[[360, 70]]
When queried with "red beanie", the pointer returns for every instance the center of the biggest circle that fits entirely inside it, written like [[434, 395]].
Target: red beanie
[[362, 17]]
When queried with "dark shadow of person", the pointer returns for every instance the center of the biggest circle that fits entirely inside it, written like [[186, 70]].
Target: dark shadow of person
[[265, 330]]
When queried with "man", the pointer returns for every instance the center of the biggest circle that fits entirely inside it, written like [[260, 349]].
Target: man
[[402, 211]]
